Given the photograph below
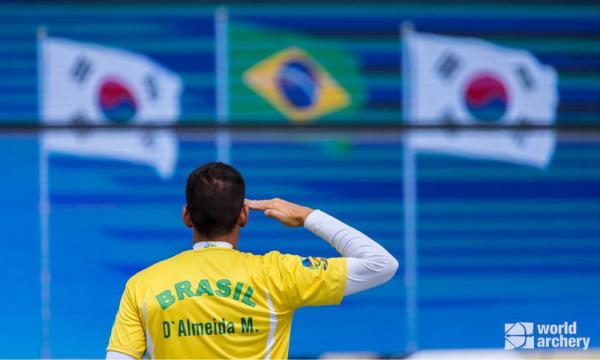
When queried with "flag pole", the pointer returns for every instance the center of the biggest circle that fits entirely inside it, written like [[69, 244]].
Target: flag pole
[[410, 206], [223, 139], [44, 209]]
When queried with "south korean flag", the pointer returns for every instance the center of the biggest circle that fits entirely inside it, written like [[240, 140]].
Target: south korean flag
[[466, 81], [85, 84]]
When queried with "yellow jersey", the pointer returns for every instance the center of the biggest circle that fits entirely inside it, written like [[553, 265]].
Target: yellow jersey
[[217, 302]]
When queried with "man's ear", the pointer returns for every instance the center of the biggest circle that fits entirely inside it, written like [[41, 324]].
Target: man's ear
[[186, 217], [243, 220]]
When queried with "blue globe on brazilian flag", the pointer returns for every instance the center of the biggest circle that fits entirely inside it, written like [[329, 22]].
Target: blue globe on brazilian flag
[[286, 76], [296, 85]]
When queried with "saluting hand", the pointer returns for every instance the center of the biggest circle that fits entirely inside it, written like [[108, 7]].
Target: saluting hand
[[289, 214]]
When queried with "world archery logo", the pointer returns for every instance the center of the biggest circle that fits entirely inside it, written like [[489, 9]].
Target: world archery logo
[[116, 100], [315, 263], [486, 97], [296, 85], [518, 335]]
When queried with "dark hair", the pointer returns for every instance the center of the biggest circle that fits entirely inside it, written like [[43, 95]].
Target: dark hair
[[215, 196]]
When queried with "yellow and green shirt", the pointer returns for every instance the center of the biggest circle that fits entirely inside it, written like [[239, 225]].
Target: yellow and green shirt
[[217, 302]]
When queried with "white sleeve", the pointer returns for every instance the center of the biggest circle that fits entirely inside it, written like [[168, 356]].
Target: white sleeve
[[369, 264], [115, 355]]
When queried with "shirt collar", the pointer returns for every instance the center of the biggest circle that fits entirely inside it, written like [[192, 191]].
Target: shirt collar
[[207, 244]]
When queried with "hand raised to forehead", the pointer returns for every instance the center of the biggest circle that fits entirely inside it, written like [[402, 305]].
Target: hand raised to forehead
[[288, 213]]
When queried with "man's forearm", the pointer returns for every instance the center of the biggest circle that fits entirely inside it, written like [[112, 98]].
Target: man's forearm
[[369, 264]]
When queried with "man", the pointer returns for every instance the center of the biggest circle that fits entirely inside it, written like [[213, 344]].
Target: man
[[217, 302]]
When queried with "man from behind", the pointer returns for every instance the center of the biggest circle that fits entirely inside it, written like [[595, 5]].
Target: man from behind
[[216, 302]]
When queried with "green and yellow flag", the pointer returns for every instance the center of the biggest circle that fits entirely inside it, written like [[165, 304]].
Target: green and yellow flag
[[280, 76]]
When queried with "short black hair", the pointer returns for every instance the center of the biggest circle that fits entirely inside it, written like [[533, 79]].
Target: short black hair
[[215, 196]]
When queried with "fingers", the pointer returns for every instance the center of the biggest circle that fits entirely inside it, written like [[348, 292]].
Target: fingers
[[262, 204], [257, 204], [276, 215], [287, 213]]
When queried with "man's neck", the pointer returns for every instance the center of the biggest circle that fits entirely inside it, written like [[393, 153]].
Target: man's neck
[[231, 238]]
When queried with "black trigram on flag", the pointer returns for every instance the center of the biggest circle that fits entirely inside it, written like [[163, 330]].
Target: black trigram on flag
[[525, 78], [151, 88], [447, 65], [81, 69], [520, 136]]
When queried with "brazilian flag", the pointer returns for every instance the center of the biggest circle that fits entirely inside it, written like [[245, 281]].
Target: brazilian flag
[[280, 76]]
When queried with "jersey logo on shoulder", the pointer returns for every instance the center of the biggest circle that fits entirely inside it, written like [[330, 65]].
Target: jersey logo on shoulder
[[315, 263]]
